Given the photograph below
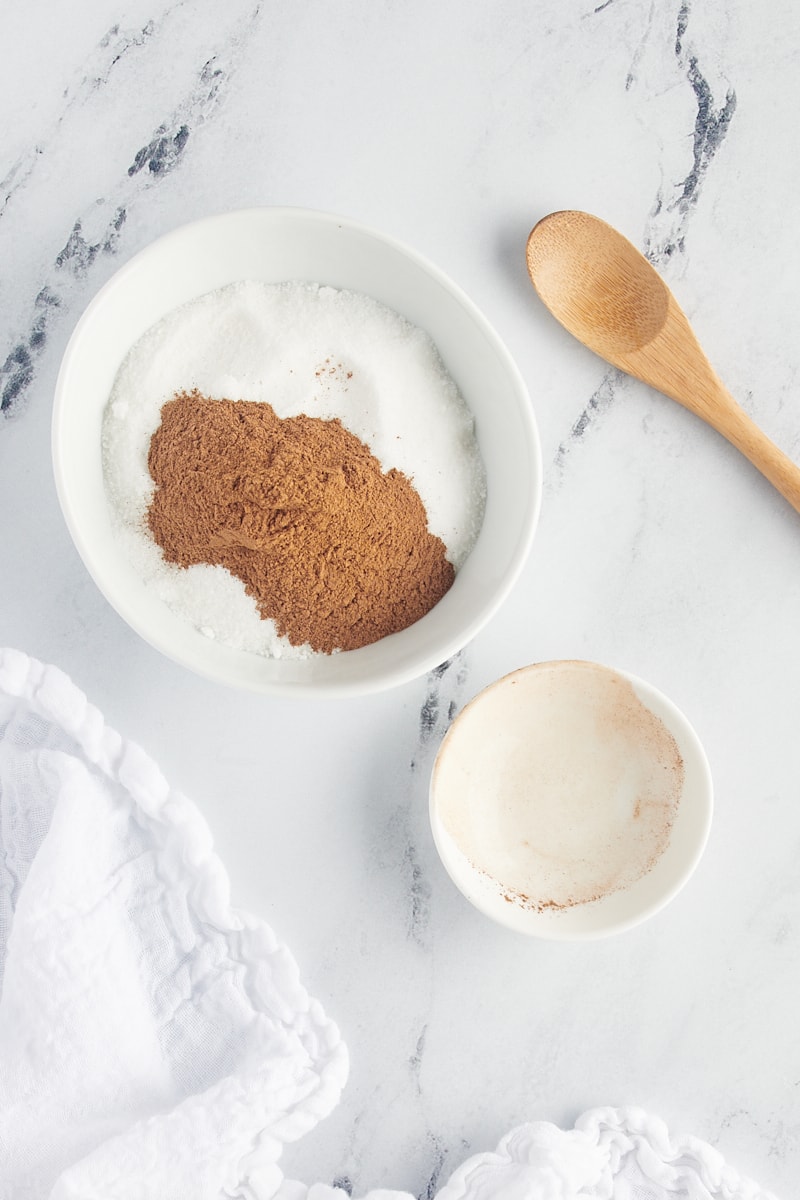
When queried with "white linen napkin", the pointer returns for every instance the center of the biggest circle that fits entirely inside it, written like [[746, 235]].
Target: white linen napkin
[[156, 1044]]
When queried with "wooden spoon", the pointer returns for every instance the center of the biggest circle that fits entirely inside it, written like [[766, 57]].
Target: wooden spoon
[[607, 294]]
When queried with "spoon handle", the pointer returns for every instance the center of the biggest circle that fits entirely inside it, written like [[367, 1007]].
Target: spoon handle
[[734, 424], [689, 378]]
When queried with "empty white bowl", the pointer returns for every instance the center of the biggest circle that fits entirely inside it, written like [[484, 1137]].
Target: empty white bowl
[[273, 245], [570, 801]]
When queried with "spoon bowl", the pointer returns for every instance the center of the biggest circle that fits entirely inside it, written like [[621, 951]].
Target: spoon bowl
[[606, 293]]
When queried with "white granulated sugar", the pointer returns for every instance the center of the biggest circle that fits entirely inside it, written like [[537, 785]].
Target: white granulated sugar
[[304, 349]]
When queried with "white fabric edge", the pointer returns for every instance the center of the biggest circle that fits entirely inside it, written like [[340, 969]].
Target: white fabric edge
[[52, 695]]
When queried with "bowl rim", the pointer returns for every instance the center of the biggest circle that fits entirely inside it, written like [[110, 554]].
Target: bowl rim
[[565, 925], [413, 666]]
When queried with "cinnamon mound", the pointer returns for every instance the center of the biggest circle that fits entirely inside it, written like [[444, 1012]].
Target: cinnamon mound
[[334, 550]]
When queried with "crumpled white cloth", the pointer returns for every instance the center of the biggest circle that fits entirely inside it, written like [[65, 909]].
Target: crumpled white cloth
[[156, 1044]]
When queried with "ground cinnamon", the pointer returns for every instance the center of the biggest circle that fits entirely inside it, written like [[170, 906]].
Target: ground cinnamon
[[334, 550]]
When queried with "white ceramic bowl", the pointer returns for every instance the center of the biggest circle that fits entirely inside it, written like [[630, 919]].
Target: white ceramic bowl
[[570, 801], [273, 245]]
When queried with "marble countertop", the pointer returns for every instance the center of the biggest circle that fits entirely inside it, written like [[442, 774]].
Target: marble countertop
[[454, 127]]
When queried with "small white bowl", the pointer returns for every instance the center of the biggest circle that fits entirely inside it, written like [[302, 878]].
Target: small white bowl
[[570, 801], [273, 245]]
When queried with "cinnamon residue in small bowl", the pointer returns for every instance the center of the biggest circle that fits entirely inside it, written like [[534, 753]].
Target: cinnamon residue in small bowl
[[559, 786], [333, 549]]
